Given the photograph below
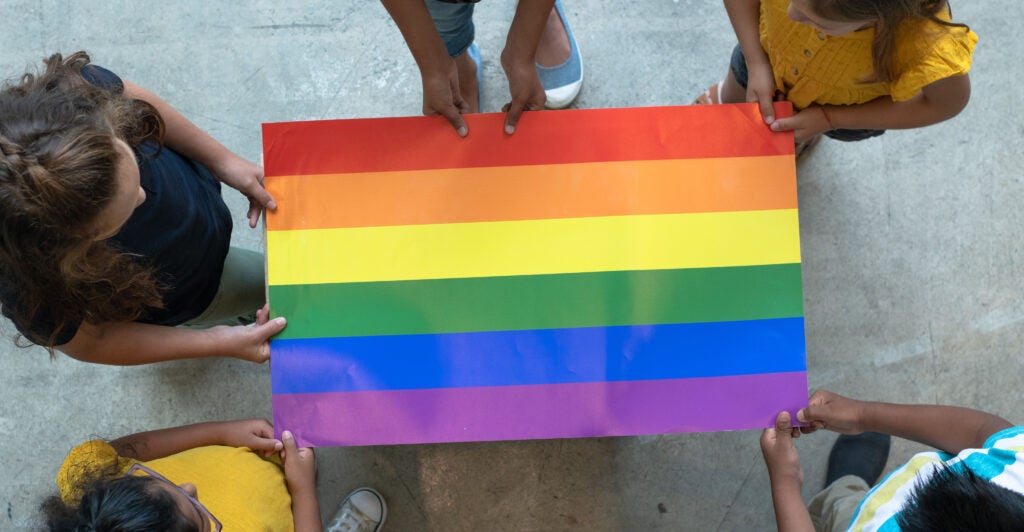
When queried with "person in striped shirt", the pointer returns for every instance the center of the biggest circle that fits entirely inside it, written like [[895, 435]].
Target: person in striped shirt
[[975, 481]]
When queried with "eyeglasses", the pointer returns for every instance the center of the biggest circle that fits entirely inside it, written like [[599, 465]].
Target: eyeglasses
[[212, 521]]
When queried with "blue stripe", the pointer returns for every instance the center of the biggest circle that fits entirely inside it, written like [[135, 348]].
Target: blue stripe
[[551, 356]]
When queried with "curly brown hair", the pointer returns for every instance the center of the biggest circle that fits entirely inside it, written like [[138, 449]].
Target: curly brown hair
[[58, 162], [888, 16]]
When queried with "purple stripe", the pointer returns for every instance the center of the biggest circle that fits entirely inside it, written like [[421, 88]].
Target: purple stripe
[[575, 410]]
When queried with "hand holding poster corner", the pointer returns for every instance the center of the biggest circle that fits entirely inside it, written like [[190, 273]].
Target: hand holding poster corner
[[599, 273]]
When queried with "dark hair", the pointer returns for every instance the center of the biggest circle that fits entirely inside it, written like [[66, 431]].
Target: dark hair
[[888, 16], [58, 162], [125, 504], [955, 498]]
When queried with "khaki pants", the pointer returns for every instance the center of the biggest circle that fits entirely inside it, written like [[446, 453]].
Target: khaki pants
[[833, 508], [241, 293]]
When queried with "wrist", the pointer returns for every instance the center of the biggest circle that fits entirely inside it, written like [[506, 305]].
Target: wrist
[[828, 118], [786, 480], [517, 58], [300, 487], [865, 415], [434, 63]]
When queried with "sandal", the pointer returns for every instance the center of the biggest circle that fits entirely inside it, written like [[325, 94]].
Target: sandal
[[711, 96]]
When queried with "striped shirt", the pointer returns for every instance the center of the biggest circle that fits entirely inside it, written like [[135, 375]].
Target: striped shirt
[[1000, 460]]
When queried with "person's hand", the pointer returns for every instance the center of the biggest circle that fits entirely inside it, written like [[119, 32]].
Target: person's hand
[[779, 452], [761, 89], [256, 434], [247, 178], [523, 85], [827, 410], [441, 96], [251, 342], [805, 124], [299, 465]]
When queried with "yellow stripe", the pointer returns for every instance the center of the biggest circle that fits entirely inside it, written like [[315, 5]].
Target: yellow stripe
[[528, 247]]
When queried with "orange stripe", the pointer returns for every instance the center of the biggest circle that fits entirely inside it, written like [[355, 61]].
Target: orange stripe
[[532, 192], [568, 136]]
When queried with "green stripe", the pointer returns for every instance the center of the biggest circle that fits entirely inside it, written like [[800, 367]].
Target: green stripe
[[598, 299]]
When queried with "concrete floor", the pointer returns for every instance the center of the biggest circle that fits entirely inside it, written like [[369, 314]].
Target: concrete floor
[[911, 250]]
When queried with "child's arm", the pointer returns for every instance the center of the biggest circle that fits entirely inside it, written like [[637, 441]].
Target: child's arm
[[948, 428], [440, 77], [255, 434], [518, 59], [786, 475], [186, 138], [133, 343], [938, 101], [300, 474], [745, 16]]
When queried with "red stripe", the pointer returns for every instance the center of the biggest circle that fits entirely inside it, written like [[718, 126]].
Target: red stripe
[[552, 137]]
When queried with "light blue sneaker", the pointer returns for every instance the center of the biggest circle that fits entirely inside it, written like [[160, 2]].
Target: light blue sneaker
[[474, 54], [563, 82]]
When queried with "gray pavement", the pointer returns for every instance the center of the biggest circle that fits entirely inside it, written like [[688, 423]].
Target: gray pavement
[[911, 257]]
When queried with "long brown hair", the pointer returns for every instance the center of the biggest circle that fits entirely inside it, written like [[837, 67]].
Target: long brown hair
[[888, 16], [58, 162]]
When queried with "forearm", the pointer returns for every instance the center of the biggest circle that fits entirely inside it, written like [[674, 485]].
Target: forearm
[[132, 343], [154, 444], [305, 509], [425, 44], [939, 101], [180, 134], [525, 31], [745, 16], [790, 511], [948, 428]]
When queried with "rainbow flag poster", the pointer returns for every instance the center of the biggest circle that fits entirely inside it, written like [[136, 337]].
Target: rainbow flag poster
[[600, 272]]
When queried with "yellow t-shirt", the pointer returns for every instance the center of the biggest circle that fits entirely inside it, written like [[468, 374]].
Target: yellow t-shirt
[[241, 489], [813, 68]]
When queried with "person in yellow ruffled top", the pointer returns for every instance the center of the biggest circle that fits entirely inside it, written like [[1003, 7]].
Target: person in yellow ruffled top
[[851, 68], [231, 475]]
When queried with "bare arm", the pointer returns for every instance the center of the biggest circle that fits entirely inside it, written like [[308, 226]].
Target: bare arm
[[786, 475], [948, 428], [938, 101], [300, 475], [518, 57], [133, 343], [441, 94], [186, 138], [255, 434], [745, 16]]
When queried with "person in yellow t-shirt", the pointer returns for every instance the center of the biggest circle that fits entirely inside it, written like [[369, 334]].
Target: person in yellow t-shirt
[[200, 477], [851, 68]]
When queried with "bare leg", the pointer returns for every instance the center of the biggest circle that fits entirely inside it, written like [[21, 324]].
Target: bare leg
[[553, 48], [467, 80], [732, 92]]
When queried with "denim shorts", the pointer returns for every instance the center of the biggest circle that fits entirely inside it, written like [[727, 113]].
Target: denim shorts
[[738, 65], [454, 21]]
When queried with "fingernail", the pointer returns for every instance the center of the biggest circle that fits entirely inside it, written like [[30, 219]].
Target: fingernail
[[774, 126], [509, 129], [462, 131], [280, 321], [769, 119], [286, 435], [272, 205]]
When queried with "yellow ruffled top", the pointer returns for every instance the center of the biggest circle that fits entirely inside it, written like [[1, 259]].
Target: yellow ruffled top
[[244, 491], [814, 68]]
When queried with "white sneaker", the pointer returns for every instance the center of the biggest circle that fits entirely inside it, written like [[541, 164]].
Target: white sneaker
[[363, 510]]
